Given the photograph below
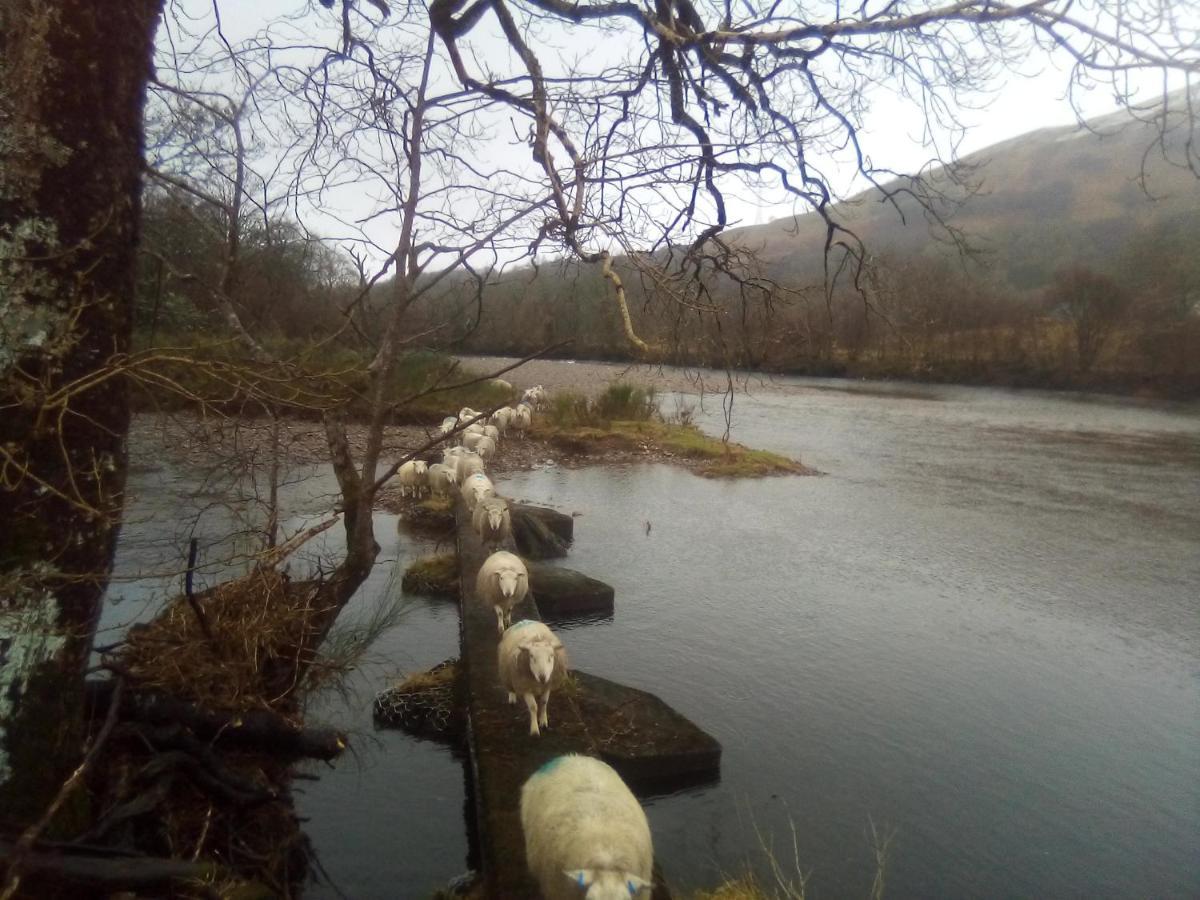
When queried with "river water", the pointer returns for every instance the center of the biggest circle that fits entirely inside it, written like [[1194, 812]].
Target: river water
[[978, 633]]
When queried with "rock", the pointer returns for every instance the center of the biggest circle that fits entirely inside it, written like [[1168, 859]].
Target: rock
[[424, 704], [562, 593], [541, 533]]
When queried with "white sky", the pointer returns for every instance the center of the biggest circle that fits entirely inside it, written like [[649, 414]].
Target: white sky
[[1025, 102]]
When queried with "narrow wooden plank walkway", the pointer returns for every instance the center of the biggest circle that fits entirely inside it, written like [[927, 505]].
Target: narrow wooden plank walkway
[[643, 738]]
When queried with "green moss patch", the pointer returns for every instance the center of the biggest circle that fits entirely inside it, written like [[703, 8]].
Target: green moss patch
[[432, 575]]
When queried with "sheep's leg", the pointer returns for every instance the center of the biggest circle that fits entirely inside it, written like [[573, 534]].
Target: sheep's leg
[[500, 619], [512, 698], [532, 704], [544, 709]]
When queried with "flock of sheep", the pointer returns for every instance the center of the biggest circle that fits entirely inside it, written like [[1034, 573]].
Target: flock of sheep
[[585, 832]]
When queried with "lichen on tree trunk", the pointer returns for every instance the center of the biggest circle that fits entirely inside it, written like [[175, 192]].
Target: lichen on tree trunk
[[73, 75]]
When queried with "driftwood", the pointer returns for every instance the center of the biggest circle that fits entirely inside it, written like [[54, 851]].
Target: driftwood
[[254, 729], [112, 872]]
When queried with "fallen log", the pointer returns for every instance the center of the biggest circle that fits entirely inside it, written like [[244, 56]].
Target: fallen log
[[257, 729], [117, 872]]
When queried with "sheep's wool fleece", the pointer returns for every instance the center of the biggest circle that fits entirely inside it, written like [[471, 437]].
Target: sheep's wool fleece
[[577, 813]]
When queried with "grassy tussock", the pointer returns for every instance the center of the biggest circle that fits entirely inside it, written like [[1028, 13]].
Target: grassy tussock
[[629, 417], [260, 625], [437, 575]]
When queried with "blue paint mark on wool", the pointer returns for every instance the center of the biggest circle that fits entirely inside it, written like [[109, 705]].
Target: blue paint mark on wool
[[522, 623], [550, 766]]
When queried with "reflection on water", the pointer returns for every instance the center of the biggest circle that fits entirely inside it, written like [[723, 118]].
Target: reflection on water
[[981, 629]]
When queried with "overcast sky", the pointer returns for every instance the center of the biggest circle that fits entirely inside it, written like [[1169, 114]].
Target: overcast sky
[[1027, 101]]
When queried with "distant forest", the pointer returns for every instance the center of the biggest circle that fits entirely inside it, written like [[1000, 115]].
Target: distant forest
[[1131, 323]]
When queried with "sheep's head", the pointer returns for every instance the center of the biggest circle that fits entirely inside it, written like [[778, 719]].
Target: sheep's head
[[421, 467], [508, 580], [608, 884], [539, 658], [495, 517]]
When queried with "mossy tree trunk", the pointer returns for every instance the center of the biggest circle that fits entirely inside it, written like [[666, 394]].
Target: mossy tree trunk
[[73, 75]]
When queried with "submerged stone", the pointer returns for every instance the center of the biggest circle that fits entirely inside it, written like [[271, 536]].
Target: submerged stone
[[562, 593], [541, 533], [424, 704]]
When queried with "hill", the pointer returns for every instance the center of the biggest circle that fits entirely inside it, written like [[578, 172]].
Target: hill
[[1051, 196]]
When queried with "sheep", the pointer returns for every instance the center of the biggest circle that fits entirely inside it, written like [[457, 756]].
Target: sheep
[[500, 383], [448, 424], [522, 418], [467, 413], [585, 832], [475, 488], [450, 455], [534, 397], [532, 662], [485, 447], [493, 432], [471, 440], [468, 464], [502, 417], [474, 428], [501, 583], [413, 475], [492, 520], [442, 479]]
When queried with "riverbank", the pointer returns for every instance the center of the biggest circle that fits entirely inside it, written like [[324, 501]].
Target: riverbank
[[592, 376]]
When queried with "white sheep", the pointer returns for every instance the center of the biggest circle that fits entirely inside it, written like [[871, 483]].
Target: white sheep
[[502, 417], [493, 432], [471, 439], [413, 476], [501, 583], [448, 424], [535, 396], [585, 832], [468, 464], [467, 413], [485, 447], [522, 418], [474, 428], [442, 479], [492, 521], [532, 662], [450, 455], [477, 487]]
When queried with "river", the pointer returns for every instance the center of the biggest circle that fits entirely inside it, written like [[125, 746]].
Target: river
[[978, 632]]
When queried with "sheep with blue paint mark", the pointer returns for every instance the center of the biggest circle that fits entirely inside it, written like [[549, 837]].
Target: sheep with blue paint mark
[[585, 833], [532, 662]]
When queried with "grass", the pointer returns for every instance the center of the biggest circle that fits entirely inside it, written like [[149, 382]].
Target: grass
[[628, 417], [436, 575], [789, 882]]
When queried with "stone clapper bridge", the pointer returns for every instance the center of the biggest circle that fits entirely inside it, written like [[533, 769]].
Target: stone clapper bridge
[[654, 748]]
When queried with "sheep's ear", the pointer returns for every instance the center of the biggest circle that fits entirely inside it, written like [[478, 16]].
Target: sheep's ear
[[635, 884], [582, 877], [523, 659]]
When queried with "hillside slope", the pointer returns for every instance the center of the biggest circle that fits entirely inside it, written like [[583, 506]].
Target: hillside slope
[[1044, 198]]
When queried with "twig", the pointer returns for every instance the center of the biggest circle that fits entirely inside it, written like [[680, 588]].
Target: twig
[[193, 546]]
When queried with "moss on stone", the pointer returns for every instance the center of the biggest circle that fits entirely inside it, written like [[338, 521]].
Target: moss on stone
[[435, 575]]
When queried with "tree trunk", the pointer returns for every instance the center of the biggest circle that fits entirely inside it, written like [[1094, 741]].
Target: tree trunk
[[73, 75]]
